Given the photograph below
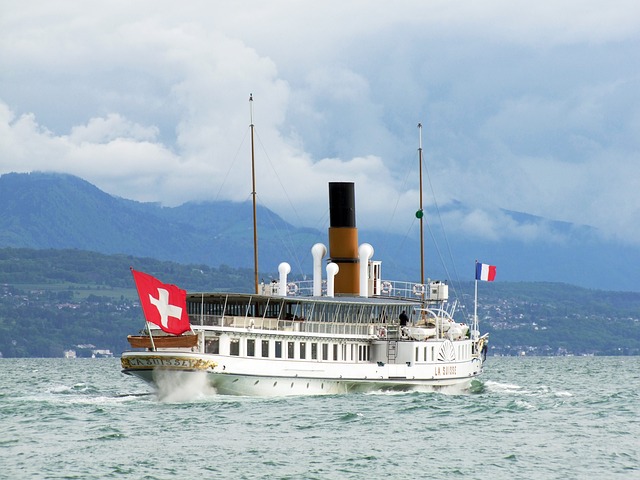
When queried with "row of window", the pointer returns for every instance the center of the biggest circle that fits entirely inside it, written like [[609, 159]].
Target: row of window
[[241, 309], [462, 352], [303, 350], [289, 309], [298, 350]]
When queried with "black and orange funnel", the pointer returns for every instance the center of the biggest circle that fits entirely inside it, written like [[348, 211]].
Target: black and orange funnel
[[343, 237]]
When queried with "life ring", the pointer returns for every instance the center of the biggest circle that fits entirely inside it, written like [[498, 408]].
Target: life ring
[[382, 333], [418, 289], [386, 287], [292, 288]]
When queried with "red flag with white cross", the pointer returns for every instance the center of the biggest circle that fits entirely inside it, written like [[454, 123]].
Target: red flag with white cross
[[162, 304]]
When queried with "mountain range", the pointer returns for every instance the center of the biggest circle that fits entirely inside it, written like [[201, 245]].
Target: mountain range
[[58, 211]]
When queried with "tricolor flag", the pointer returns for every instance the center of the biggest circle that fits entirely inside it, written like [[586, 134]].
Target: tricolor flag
[[485, 272], [162, 304]]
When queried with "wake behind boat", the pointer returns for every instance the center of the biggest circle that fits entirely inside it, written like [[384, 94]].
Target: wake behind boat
[[347, 330]]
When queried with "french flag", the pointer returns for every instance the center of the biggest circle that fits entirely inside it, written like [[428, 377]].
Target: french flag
[[484, 272]]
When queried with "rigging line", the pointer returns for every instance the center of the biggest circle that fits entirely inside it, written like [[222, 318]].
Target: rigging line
[[389, 257], [288, 245], [456, 291], [404, 187], [297, 260], [283, 237], [403, 239], [270, 215], [455, 279], [435, 243], [278, 177], [316, 235], [387, 230], [319, 236], [232, 164]]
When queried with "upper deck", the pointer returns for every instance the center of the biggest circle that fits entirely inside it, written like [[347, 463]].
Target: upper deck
[[299, 312]]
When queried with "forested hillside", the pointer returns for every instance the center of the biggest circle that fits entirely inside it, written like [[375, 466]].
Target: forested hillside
[[557, 319], [54, 300]]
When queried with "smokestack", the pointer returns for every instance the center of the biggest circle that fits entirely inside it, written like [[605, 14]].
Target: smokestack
[[343, 237]]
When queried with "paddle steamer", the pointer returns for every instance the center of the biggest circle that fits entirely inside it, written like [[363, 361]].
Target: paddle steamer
[[346, 330]]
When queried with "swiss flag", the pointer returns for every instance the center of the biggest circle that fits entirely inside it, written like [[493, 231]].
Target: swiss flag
[[162, 304]]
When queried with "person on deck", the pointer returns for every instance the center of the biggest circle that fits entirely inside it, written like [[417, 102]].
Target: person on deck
[[404, 320]]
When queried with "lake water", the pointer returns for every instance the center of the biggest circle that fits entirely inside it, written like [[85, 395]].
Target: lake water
[[528, 418]]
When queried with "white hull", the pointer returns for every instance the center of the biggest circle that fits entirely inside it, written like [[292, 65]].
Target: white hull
[[174, 370]]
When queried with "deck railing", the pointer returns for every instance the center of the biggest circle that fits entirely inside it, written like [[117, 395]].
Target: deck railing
[[383, 289], [307, 326]]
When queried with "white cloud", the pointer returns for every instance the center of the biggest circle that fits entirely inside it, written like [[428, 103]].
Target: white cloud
[[527, 107], [103, 130]]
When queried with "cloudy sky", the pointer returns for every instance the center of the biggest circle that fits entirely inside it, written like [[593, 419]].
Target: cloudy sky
[[526, 106]]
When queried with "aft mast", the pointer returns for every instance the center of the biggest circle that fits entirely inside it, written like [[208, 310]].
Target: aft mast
[[420, 212], [253, 195]]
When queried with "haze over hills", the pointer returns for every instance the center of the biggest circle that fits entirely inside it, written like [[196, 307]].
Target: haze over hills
[[42, 211]]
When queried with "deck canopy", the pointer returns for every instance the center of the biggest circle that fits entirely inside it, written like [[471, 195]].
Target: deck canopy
[[316, 309]]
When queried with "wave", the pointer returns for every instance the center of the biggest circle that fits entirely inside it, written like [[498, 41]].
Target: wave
[[178, 387], [513, 389]]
